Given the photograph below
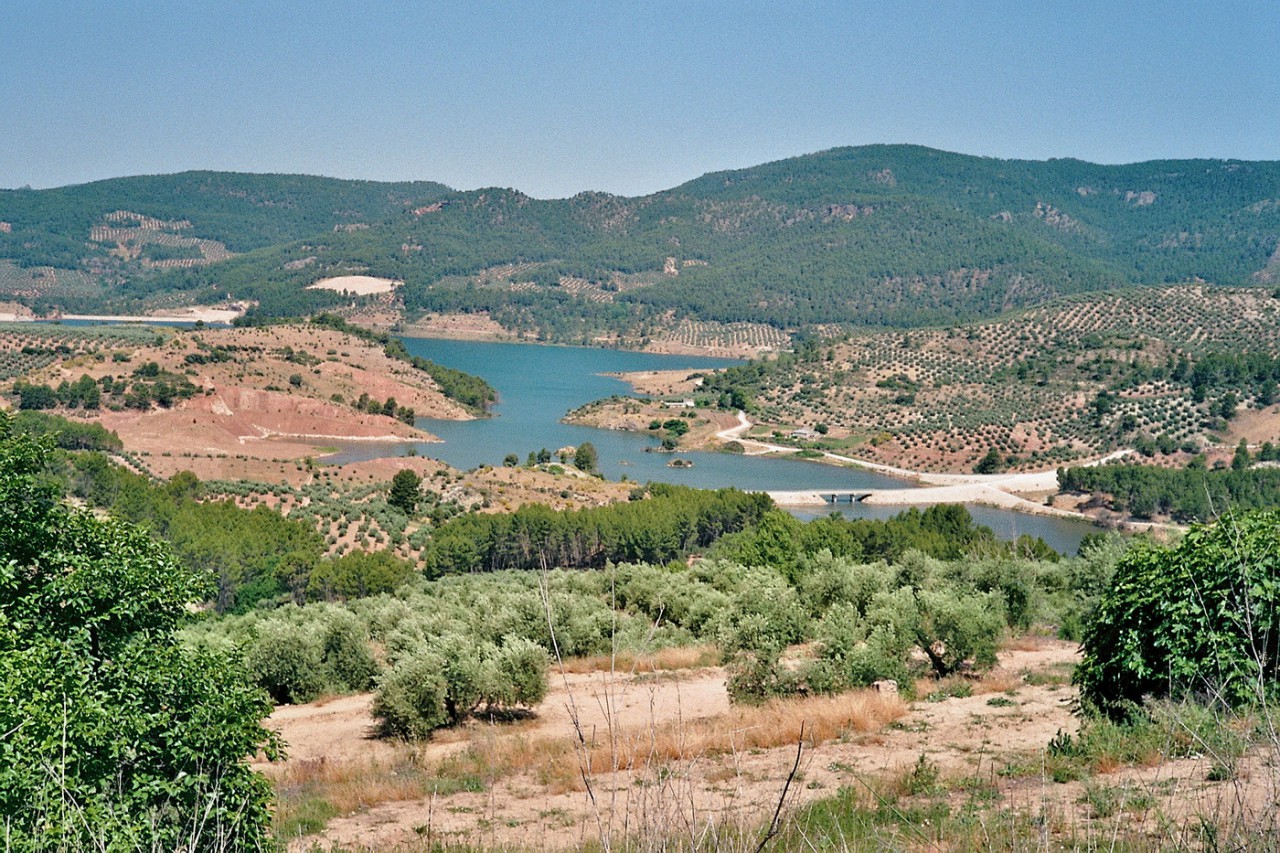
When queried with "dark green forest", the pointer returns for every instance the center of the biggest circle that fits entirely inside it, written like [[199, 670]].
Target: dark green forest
[[1191, 494], [245, 212], [876, 235]]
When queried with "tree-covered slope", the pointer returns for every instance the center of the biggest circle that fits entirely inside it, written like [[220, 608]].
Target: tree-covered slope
[[893, 235], [242, 211]]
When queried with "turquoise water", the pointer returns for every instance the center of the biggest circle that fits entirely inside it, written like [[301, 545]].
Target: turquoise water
[[538, 384]]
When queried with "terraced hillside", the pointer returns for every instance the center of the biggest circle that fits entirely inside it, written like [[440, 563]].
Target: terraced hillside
[[223, 403], [1162, 369], [880, 235]]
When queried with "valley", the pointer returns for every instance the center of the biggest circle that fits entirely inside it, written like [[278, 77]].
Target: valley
[[780, 507]]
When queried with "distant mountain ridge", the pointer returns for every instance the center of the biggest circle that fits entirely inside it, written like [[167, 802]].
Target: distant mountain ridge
[[896, 235]]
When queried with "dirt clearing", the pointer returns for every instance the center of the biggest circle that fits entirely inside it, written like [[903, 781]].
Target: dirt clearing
[[358, 285], [606, 752]]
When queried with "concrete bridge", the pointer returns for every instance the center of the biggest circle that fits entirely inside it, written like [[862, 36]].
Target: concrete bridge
[[805, 498]]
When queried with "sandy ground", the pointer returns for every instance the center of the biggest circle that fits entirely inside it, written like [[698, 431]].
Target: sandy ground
[[360, 285], [466, 327], [12, 312], [661, 383], [961, 736], [1010, 720], [205, 313]]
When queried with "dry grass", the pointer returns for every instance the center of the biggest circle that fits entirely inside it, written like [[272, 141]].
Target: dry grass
[[1026, 642], [344, 787], [564, 764], [993, 681], [662, 660], [560, 764]]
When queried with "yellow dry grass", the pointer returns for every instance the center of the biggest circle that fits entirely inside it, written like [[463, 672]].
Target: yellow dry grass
[[562, 764], [351, 786], [662, 660]]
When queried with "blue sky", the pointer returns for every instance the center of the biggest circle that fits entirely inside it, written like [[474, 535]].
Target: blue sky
[[558, 97]]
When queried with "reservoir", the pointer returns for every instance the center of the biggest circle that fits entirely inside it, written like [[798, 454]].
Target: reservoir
[[538, 384]]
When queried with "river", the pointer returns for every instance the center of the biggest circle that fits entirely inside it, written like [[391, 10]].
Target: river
[[538, 384]]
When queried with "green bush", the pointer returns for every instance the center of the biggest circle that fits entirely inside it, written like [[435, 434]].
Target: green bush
[[956, 628], [1202, 618], [115, 736], [347, 661], [522, 673], [287, 661], [445, 681], [410, 702], [358, 574], [756, 676], [859, 651]]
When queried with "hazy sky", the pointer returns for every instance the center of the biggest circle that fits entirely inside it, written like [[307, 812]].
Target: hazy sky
[[558, 97]]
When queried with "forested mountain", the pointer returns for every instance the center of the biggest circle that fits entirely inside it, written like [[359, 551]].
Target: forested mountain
[[876, 235]]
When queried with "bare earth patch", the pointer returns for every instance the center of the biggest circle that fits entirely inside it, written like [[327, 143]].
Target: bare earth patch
[[359, 285], [265, 398], [697, 759], [465, 327]]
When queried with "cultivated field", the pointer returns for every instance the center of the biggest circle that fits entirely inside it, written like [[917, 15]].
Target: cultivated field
[[155, 242], [1029, 386], [357, 285], [26, 284], [347, 504], [209, 400]]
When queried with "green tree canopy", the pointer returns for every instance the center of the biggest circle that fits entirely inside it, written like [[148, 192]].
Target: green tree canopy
[[115, 736], [1199, 619], [585, 457], [406, 491]]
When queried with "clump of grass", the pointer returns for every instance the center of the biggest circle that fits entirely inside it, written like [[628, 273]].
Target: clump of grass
[[1057, 674], [946, 688], [298, 816], [662, 660]]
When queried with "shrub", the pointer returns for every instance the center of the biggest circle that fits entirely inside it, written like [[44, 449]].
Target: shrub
[[287, 661], [957, 628], [757, 676], [1201, 618], [348, 663], [410, 702], [444, 681], [358, 574], [858, 651], [522, 673], [115, 735]]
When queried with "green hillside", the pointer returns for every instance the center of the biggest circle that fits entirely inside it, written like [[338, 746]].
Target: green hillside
[[876, 235]]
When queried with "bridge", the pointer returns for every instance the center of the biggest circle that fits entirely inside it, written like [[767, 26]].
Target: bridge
[[805, 498]]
